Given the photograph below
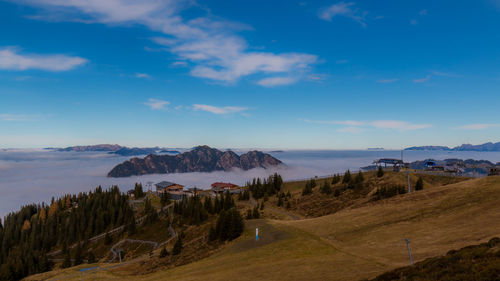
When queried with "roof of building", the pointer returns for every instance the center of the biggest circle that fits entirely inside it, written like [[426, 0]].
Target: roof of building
[[223, 185], [165, 184], [392, 161]]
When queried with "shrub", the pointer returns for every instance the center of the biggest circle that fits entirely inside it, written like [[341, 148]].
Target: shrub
[[326, 188], [177, 246], [380, 172], [420, 184], [163, 252], [389, 191]]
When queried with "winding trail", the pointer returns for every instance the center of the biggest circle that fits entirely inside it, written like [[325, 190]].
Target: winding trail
[[112, 231]]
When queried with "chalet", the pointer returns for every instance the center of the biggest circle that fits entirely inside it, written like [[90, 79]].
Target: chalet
[[130, 193], [494, 172], [221, 187], [166, 186], [176, 195]]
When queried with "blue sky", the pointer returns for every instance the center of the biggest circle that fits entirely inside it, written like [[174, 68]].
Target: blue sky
[[259, 74]]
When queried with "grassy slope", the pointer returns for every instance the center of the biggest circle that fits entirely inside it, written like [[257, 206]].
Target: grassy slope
[[351, 244]]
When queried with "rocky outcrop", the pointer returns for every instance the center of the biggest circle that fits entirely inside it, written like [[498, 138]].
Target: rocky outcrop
[[200, 159]]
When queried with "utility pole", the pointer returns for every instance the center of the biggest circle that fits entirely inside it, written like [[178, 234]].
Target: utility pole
[[409, 250]]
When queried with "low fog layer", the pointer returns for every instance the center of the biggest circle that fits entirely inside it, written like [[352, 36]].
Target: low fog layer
[[34, 176]]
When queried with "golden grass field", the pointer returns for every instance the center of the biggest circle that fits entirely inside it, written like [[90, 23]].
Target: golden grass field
[[353, 244]]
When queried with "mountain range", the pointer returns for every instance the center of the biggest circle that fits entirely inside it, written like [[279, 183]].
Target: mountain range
[[119, 150], [200, 159], [489, 146]]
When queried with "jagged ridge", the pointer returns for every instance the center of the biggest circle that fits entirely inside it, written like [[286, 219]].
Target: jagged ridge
[[200, 159]]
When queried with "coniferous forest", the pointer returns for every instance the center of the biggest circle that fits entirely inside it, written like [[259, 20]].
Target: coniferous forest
[[29, 235]]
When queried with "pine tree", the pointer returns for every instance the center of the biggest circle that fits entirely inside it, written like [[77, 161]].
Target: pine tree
[[347, 177], [337, 192], [249, 214], [359, 177], [107, 239], [236, 224], [67, 261], [131, 228], [262, 205], [163, 252], [78, 255], [256, 213], [380, 172], [420, 184], [138, 192], [326, 188], [336, 179], [280, 201], [177, 246], [212, 235], [91, 257]]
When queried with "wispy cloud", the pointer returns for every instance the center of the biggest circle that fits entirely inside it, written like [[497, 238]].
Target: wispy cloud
[[142, 75], [423, 12], [218, 110], [13, 59], [276, 81], [336, 122], [342, 61], [378, 124], [14, 117], [413, 22], [446, 74], [387, 81], [478, 126], [210, 44], [351, 130], [179, 64], [398, 125], [345, 10], [156, 104], [422, 80]]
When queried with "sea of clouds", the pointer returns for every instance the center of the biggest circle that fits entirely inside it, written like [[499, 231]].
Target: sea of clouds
[[36, 175]]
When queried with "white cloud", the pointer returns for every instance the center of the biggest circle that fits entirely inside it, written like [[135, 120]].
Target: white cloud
[[343, 9], [142, 75], [210, 44], [398, 125], [13, 117], [342, 61], [478, 126], [218, 110], [179, 64], [378, 124], [276, 81], [351, 130], [336, 122], [12, 59], [422, 80], [156, 104], [387, 81], [446, 74]]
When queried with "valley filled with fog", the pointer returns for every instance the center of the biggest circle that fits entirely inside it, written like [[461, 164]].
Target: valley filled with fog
[[35, 175]]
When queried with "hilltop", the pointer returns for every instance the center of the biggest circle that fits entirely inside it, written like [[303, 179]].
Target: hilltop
[[88, 148], [200, 159], [359, 241], [489, 146]]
